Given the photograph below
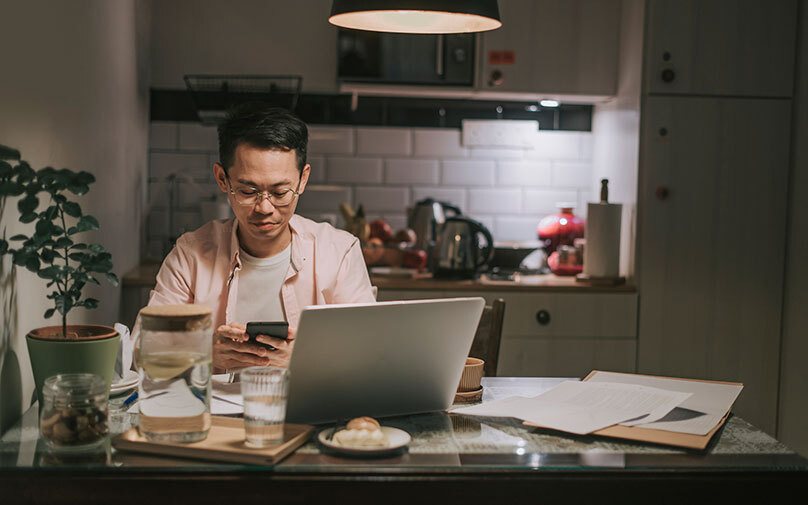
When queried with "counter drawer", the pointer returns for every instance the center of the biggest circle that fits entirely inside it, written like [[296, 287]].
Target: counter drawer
[[553, 357]]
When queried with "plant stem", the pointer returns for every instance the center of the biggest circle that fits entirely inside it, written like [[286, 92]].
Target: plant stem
[[67, 280]]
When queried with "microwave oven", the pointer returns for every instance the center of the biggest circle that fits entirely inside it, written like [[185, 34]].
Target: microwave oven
[[398, 58]]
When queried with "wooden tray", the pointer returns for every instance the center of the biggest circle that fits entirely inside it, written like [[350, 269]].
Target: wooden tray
[[225, 442]]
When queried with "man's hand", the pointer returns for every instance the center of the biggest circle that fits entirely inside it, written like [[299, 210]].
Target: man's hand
[[232, 349], [283, 348]]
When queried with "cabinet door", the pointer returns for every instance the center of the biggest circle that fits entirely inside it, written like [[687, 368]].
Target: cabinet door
[[715, 47], [560, 47], [713, 189]]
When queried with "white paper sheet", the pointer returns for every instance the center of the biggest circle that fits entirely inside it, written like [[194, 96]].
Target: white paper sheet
[[583, 407], [708, 398]]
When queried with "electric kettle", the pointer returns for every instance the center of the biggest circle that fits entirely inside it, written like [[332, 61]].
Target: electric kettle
[[459, 251], [426, 218]]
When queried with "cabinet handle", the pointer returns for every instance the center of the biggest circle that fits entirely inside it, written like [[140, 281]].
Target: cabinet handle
[[668, 75], [662, 193], [543, 317]]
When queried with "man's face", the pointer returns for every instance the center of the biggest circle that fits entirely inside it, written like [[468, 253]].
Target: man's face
[[270, 170]]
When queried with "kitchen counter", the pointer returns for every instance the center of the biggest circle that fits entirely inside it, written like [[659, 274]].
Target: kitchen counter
[[451, 459], [145, 275]]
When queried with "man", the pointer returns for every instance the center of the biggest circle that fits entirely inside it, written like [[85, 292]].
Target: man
[[267, 263]]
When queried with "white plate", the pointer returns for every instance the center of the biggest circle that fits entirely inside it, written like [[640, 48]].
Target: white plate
[[397, 438], [129, 381]]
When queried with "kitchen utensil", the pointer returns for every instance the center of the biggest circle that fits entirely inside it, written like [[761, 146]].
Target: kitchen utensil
[[560, 229], [174, 357], [264, 390], [567, 260], [602, 252], [426, 218], [472, 375], [459, 253]]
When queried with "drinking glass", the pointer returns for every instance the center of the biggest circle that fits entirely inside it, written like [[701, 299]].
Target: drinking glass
[[264, 390], [174, 363]]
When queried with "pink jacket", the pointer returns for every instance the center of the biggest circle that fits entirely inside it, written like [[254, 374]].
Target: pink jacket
[[326, 267]]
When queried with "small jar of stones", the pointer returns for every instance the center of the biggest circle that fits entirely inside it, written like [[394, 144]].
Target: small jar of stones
[[74, 414]]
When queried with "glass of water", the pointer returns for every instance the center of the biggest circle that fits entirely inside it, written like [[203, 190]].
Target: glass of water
[[264, 390]]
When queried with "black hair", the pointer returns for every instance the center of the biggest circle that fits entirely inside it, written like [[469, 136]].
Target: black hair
[[262, 126]]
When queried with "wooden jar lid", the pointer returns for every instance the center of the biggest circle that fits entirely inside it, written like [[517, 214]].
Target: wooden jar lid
[[180, 317]]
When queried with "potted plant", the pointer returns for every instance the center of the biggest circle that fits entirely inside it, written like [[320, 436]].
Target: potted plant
[[54, 254]]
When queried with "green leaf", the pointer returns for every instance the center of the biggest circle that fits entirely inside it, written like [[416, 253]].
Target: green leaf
[[19, 237], [3, 246], [10, 188], [49, 313], [87, 223], [90, 303], [47, 255], [72, 209], [45, 228], [78, 256], [32, 263], [97, 248], [50, 213], [49, 273], [5, 169], [78, 189], [84, 178], [79, 246], [27, 218], [112, 278], [28, 204], [59, 198], [63, 242]]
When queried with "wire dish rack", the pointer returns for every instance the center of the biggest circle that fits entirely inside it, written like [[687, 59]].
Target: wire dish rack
[[214, 94]]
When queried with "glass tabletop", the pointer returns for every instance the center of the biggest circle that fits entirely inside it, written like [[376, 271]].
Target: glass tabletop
[[441, 441]]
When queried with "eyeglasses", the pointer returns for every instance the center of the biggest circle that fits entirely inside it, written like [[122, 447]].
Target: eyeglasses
[[246, 195]]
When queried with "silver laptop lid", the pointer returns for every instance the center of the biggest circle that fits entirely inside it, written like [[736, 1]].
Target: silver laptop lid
[[379, 359]]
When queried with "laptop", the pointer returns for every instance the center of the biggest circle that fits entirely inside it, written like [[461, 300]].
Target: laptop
[[379, 359]]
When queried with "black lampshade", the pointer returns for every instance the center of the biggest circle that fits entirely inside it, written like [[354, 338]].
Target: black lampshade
[[416, 16]]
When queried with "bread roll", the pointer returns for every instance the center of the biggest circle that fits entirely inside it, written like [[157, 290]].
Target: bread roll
[[363, 423]]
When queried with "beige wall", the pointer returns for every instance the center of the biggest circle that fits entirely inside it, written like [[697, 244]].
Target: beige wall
[[244, 37], [74, 93], [616, 132], [792, 426]]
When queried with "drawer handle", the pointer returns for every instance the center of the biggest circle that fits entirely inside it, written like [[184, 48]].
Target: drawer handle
[[543, 317], [668, 75]]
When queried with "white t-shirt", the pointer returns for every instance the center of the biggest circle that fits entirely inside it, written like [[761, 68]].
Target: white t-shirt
[[259, 287]]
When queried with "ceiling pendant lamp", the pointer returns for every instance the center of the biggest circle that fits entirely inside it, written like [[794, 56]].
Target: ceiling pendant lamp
[[416, 16]]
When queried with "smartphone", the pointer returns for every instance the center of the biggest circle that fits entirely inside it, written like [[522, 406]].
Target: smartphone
[[277, 329]]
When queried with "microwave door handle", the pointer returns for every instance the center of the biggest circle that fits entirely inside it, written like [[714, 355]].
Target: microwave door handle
[[439, 67]]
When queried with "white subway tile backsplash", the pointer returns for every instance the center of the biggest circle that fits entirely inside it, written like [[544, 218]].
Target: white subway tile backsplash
[[323, 198], [197, 137], [517, 227], [542, 202], [331, 140], [552, 144], [571, 174], [525, 173], [438, 142], [163, 135], [195, 166], [381, 199], [453, 196], [343, 170], [318, 169], [495, 201], [468, 172], [411, 171], [387, 170], [503, 153], [386, 141]]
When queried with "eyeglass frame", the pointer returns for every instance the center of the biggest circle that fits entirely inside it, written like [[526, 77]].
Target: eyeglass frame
[[260, 195]]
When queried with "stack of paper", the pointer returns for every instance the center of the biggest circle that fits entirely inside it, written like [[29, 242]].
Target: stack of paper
[[607, 399]]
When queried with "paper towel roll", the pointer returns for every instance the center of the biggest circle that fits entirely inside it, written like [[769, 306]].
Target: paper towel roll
[[602, 249]]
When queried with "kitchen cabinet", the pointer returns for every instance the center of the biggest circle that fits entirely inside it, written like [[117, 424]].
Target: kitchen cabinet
[[711, 239], [556, 334], [714, 47], [559, 47]]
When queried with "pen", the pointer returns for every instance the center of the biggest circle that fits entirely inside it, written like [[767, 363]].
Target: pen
[[130, 399]]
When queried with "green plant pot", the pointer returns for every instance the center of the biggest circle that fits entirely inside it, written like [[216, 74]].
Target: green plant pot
[[94, 351]]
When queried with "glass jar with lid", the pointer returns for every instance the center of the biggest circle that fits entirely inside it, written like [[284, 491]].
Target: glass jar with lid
[[74, 414], [174, 361]]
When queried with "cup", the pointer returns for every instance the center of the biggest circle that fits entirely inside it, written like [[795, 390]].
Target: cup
[[264, 390], [472, 375]]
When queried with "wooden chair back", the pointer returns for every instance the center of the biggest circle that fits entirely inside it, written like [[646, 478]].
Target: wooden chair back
[[488, 336]]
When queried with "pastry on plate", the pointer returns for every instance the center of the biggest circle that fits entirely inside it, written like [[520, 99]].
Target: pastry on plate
[[361, 432]]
